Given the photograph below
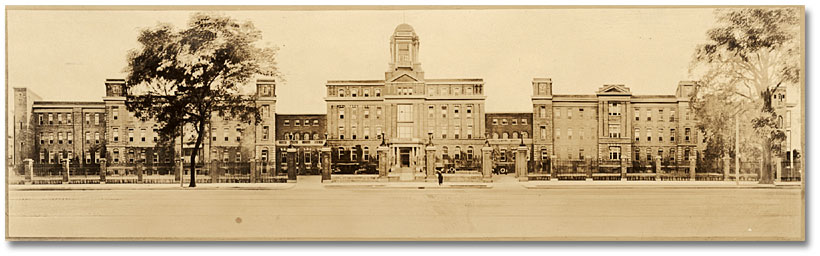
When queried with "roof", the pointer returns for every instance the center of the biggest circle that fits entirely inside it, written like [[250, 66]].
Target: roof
[[404, 27]]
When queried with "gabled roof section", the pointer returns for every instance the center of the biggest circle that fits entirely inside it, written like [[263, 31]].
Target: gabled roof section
[[406, 77], [614, 90]]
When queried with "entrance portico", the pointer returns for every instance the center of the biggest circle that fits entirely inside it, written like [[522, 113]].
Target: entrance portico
[[406, 161]]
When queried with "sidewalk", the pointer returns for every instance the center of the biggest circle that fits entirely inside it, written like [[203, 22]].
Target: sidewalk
[[654, 184], [199, 186]]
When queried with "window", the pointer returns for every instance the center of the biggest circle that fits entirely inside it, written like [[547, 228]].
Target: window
[[405, 130], [660, 134], [97, 119], [444, 111], [614, 109], [341, 132], [213, 134], [637, 114], [431, 111], [115, 112], [297, 122], [87, 137], [444, 131], [649, 115], [238, 157], [504, 121], [115, 134], [142, 134], [116, 156], [469, 131], [524, 121], [353, 131], [614, 130], [378, 112], [456, 131], [581, 113], [96, 137], [514, 122], [42, 157], [569, 113], [315, 122], [672, 135], [341, 92], [524, 135], [287, 123], [341, 112], [265, 132], [366, 113], [686, 154], [59, 118], [405, 113], [672, 154], [469, 111], [543, 132], [378, 92], [503, 155], [495, 121], [265, 110], [59, 138], [68, 118], [264, 155], [40, 119], [672, 116], [50, 118], [443, 90], [637, 154], [648, 134], [580, 135], [224, 133], [569, 133], [558, 113], [660, 114], [557, 133], [686, 133], [354, 92], [87, 118], [637, 134], [131, 134], [42, 138], [455, 111], [614, 153], [70, 137], [543, 112]]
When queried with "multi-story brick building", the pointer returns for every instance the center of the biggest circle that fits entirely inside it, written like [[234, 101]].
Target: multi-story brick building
[[613, 125], [306, 133], [506, 131], [409, 110]]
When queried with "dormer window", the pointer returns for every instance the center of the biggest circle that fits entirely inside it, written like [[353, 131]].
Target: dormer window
[[341, 92]]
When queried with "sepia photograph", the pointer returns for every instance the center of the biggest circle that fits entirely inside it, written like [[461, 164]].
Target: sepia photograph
[[405, 123]]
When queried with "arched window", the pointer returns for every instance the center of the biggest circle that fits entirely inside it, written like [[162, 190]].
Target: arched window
[[264, 155], [306, 136], [495, 135], [780, 122], [505, 135], [469, 152], [457, 153], [444, 153], [515, 135], [524, 135], [315, 136]]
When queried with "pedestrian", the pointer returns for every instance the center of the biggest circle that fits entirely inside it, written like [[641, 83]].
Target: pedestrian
[[440, 177]]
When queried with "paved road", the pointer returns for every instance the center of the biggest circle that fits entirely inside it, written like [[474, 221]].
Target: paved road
[[311, 211]]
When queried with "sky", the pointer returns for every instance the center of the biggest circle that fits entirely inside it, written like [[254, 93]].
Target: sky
[[67, 55]]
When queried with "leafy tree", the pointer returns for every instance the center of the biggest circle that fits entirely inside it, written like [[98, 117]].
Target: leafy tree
[[182, 78], [749, 54]]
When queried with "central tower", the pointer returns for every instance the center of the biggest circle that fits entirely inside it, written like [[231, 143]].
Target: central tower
[[404, 49]]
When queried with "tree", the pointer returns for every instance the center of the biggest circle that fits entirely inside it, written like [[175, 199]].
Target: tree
[[749, 54], [182, 78]]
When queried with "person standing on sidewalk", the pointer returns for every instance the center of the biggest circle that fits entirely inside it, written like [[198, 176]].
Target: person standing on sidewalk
[[440, 177]]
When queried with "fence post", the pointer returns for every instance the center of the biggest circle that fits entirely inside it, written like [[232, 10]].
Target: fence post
[[779, 169], [725, 168], [553, 170], [383, 161], [103, 170], [252, 171], [624, 162], [487, 163], [66, 170], [28, 166], [692, 163], [657, 169], [139, 170], [430, 152], [215, 172], [521, 163], [180, 171], [291, 164], [589, 167], [326, 162]]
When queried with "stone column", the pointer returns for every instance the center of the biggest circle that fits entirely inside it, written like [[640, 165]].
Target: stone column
[[624, 163], [554, 173], [291, 165], [384, 162], [214, 172], [28, 166], [725, 168], [430, 164], [254, 176], [778, 164], [325, 157], [103, 170], [521, 163], [138, 168], [66, 171], [657, 169], [486, 164], [692, 163]]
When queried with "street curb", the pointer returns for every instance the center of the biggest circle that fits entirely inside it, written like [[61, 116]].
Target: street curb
[[57, 188]]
